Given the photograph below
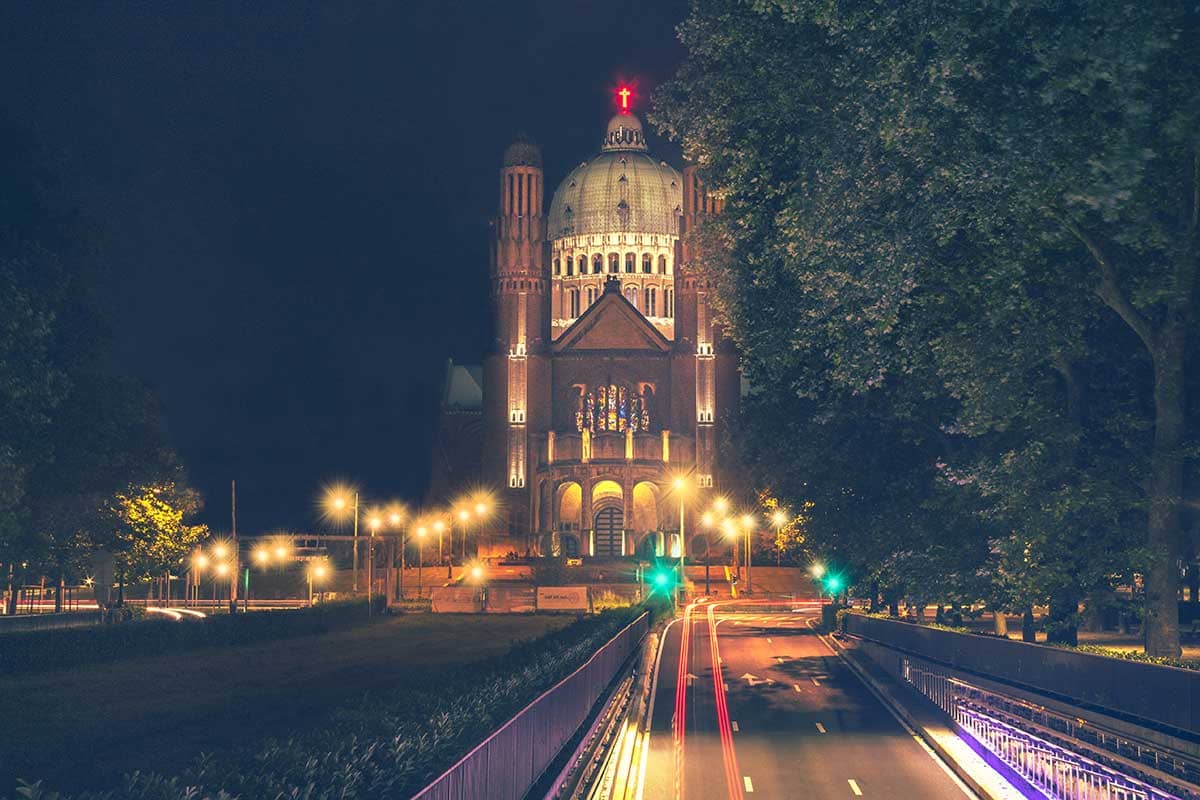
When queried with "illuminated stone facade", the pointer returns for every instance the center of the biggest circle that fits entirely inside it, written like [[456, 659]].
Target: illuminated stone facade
[[607, 377]]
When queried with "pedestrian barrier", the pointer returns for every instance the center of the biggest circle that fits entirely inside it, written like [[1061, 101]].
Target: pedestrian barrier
[[1042, 759], [1152, 696], [510, 761]]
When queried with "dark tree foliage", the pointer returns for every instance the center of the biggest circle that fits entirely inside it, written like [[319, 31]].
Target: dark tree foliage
[[985, 215], [74, 433]]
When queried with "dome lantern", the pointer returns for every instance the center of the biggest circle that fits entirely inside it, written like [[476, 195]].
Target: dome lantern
[[624, 133]]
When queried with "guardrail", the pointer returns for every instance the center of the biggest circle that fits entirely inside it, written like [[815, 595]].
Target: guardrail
[[1156, 697], [1052, 765], [506, 764], [39, 622]]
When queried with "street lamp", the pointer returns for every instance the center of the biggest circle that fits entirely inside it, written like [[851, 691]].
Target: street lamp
[[779, 520], [422, 532], [316, 572], [680, 487], [748, 526], [438, 528], [339, 501], [395, 518], [707, 521], [374, 521]]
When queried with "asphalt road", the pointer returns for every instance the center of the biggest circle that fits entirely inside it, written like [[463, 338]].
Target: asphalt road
[[786, 719]]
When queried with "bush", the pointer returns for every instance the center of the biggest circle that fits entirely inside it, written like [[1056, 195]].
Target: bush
[[387, 745], [71, 647]]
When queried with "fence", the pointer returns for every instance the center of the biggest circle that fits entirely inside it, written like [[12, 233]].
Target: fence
[[1048, 763], [506, 764], [1156, 697], [37, 622]]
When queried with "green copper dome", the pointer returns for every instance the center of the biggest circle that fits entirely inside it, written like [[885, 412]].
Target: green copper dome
[[622, 189]]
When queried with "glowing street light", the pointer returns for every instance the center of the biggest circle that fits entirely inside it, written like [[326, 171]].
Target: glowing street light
[[422, 532], [317, 572], [374, 523], [817, 570], [262, 556], [680, 487], [339, 501]]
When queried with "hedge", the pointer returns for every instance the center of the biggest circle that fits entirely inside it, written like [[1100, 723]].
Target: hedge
[[62, 648], [389, 744]]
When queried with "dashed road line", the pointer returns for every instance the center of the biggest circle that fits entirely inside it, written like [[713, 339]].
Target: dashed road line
[[854, 787], [815, 681], [796, 686], [735, 726], [749, 783], [820, 728]]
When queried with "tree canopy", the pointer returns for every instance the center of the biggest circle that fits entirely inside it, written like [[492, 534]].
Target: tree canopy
[[969, 231]]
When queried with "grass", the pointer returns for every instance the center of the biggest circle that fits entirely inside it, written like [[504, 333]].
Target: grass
[[86, 727]]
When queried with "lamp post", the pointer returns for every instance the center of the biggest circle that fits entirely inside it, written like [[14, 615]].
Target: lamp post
[[748, 525], [318, 572], [707, 521], [421, 533], [779, 518], [438, 528], [464, 517], [680, 485], [396, 519], [373, 523], [338, 501]]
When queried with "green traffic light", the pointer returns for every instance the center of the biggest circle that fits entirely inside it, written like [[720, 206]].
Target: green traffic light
[[833, 583], [661, 579]]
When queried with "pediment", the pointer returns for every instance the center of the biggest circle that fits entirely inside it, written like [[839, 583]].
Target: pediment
[[612, 323]]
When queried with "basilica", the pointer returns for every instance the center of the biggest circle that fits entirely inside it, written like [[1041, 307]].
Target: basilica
[[598, 409]]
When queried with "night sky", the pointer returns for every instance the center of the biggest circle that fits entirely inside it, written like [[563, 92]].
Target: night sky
[[291, 202]]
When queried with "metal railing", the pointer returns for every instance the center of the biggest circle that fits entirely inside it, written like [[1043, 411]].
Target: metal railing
[[1047, 762], [510, 761]]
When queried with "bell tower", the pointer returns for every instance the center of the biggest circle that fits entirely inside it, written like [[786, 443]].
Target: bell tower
[[700, 352], [515, 371]]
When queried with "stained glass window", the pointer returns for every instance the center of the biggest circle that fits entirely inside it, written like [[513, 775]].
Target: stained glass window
[[613, 408]]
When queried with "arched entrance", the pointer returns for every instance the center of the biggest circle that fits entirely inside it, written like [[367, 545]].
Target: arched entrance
[[608, 518], [609, 531]]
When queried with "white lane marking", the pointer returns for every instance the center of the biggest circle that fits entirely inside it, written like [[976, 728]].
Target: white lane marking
[[886, 704], [815, 682], [735, 726], [854, 787], [725, 686], [779, 659], [820, 728], [768, 640], [749, 783], [796, 686]]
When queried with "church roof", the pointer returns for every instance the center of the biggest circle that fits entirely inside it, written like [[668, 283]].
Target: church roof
[[611, 323], [464, 387], [621, 189]]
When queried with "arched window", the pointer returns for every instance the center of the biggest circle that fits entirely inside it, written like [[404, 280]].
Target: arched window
[[630, 262], [651, 302], [662, 265], [558, 266], [668, 303], [574, 302], [570, 266], [614, 262], [583, 265], [631, 294], [647, 263], [597, 264], [591, 296]]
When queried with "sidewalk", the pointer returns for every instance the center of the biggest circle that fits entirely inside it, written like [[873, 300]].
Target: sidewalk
[[927, 723]]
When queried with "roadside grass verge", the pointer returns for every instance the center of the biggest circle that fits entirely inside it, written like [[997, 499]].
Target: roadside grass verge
[[85, 728]]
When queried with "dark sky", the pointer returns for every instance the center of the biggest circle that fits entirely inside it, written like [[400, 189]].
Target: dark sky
[[291, 200]]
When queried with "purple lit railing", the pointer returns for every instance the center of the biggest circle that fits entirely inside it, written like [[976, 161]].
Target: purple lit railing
[[1049, 768]]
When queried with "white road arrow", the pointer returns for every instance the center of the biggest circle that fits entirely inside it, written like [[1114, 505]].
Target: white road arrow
[[754, 680]]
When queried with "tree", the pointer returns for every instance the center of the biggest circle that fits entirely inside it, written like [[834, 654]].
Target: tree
[[150, 534], [905, 171]]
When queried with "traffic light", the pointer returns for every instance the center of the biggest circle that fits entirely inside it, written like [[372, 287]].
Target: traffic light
[[661, 579], [833, 584]]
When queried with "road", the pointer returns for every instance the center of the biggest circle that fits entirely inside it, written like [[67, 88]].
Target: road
[[784, 717]]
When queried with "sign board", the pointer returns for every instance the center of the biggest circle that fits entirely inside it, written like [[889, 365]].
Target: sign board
[[457, 599], [562, 598], [511, 599]]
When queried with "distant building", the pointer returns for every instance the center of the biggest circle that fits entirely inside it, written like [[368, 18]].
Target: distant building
[[607, 378]]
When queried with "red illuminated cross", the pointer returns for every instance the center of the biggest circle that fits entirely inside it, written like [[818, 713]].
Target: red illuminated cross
[[624, 93]]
